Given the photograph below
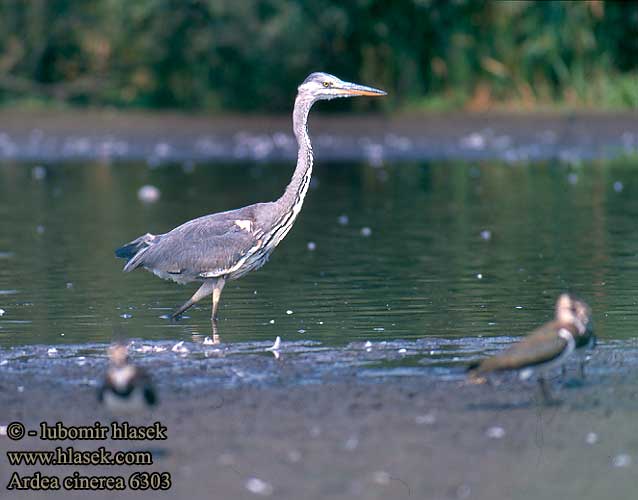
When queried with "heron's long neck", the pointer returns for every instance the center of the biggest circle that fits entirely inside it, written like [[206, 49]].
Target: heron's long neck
[[292, 199]]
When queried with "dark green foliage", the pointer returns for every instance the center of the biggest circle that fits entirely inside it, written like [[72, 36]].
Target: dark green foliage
[[250, 54]]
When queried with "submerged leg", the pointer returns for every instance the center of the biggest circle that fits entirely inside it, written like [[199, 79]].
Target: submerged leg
[[205, 290], [217, 293]]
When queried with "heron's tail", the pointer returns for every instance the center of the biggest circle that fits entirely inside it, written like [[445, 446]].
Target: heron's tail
[[132, 248]]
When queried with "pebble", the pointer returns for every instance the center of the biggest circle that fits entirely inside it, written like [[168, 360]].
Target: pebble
[[381, 477], [2, 312], [495, 432], [351, 443], [179, 347], [301, 330], [208, 341], [52, 351], [591, 438], [272, 322], [427, 419], [148, 194], [259, 487], [312, 246], [621, 460], [366, 231], [479, 276], [289, 311]]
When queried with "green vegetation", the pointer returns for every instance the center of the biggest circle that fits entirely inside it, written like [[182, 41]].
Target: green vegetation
[[249, 54]]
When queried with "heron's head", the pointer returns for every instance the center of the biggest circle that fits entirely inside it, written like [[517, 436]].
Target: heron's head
[[324, 86]]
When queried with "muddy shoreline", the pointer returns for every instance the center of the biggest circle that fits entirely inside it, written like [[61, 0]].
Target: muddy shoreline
[[395, 437], [172, 137]]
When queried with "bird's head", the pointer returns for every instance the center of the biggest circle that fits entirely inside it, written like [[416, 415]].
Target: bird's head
[[118, 354], [318, 86], [570, 310]]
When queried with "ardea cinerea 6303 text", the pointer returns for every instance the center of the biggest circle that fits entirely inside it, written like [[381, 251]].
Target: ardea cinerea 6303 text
[[225, 246]]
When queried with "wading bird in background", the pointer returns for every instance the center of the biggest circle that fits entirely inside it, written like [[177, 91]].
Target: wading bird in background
[[225, 246], [546, 347]]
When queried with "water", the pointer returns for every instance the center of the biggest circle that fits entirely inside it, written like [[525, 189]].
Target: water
[[454, 251]]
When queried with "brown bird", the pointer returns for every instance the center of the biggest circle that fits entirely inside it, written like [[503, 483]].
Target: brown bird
[[546, 347], [127, 389]]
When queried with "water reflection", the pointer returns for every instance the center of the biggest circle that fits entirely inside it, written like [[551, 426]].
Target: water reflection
[[423, 268]]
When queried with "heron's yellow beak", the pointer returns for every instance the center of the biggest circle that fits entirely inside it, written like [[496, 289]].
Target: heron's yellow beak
[[352, 89]]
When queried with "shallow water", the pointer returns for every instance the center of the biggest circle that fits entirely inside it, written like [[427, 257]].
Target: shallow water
[[404, 251]]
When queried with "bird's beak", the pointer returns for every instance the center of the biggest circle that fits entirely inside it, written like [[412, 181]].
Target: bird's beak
[[351, 89]]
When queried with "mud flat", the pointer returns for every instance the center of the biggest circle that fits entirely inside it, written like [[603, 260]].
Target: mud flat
[[356, 437]]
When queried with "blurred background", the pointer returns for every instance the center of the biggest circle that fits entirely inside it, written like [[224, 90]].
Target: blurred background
[[225, 55]]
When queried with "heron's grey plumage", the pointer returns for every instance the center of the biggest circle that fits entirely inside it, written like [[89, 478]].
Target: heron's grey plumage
[[225, 246]]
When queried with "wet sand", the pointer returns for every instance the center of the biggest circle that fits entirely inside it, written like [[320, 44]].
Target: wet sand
[[412, 437]]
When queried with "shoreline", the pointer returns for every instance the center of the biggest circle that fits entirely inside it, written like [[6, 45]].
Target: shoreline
[[398, 437], [164, 137]]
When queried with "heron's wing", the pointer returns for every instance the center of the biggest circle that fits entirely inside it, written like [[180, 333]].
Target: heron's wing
[[540, 346], [210, 245]]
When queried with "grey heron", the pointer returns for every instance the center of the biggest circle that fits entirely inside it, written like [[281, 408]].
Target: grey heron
[[224, 246]]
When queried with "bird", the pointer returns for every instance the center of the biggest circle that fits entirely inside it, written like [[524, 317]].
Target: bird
[[224, 246], [546, 347], [126, 389]]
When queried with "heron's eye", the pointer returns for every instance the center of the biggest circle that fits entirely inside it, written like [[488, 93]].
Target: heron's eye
[[327, 84]]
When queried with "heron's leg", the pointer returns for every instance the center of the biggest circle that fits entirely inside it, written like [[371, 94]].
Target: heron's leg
[[205, 290], [582, 368], [217, 293], [214, 333]]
